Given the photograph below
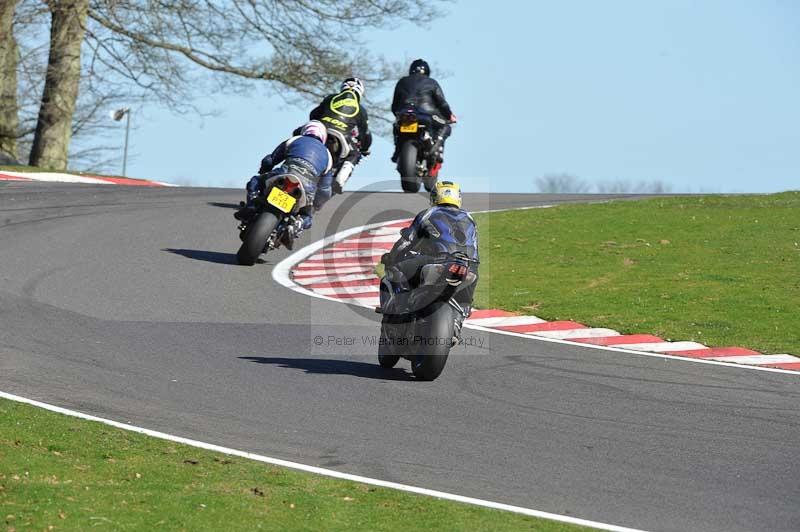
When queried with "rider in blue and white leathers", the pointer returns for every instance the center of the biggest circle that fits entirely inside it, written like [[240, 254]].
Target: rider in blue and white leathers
[[304, 156]]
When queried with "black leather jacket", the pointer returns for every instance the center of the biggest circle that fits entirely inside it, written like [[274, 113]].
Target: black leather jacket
[[343, 111], [422, 92]]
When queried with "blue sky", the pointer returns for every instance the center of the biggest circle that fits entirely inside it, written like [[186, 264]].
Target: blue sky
[[700, 95]]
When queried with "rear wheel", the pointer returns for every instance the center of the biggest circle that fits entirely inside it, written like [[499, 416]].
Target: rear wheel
[[255, 238], [407, 166], [436, 332], [386, 347], [430, 183]]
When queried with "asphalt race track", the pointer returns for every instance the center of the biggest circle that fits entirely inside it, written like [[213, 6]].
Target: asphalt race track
[[126, 303]]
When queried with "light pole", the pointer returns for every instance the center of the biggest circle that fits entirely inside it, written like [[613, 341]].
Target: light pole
[[117, 116]]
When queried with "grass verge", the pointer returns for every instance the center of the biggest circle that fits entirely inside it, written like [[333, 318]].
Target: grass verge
[[721, 270], [63, 473]]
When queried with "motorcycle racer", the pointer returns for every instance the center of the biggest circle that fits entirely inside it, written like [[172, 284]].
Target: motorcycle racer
[[424, 93], [304, 156], [443, 228], [344, 112]]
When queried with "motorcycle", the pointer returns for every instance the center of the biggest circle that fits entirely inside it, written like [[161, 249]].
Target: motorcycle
[[274, 221], [418, 151], [422, 323]]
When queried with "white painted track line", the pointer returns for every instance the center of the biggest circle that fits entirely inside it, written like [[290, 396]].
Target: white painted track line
[[758, 359], [348, 253], [505, 321], [386, 231], [577, 333], [332, 278], [317, 270], [321, 471], [331, 267], [55, 177], [665, 347], [376, 239], [369, 302], [347, 290]]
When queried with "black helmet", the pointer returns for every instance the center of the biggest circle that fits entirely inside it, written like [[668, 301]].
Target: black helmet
[[419, 66]]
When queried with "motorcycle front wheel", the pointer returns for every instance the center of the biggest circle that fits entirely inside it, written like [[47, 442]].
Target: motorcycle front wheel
[[436, 334], [407, 166], [255, 238]]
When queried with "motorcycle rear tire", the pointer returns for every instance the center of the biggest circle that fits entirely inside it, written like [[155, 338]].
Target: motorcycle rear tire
[[386, 347], [430, 183], [255, 238], [407, 166], [436, 329]]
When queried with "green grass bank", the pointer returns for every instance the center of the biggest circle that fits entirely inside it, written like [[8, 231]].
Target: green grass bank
[[64, 473], [721, 270]]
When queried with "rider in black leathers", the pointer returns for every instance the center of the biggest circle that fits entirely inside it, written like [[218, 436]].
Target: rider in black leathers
[[442, 228], [344, 112], [421, 91], [350, 117]]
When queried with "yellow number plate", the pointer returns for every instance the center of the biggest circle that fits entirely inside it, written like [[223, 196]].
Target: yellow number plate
[[281, 200], [409, 128]]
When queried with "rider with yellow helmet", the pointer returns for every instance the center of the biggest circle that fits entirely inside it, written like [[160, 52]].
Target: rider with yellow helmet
[[441, 229]]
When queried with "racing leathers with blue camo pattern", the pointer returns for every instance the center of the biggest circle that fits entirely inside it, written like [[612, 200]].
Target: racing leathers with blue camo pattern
[[436, 231], [302, 156]]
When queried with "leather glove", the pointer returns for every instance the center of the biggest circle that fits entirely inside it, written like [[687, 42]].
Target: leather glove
[[266, 165]]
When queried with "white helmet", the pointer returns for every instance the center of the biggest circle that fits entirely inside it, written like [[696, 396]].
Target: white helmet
[[353, 84], [317, 129]]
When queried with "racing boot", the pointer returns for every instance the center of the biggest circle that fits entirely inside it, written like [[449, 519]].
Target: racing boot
[[246, 210], [306, 217], [293, 230], [342, 176], [396, 154]]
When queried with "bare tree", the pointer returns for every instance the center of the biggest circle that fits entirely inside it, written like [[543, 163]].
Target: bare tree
[[631, 187], [561, 184], [9, 57], [174, 51], [54, 126], [29, 71], [89, 148], [293, 44]]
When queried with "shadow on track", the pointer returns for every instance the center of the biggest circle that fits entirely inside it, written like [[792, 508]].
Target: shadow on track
[[223, 205], [324, 366], [208, 256]]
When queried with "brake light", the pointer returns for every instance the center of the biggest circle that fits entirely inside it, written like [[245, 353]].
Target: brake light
[[290, 186], [457, 269], [455, 273]]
